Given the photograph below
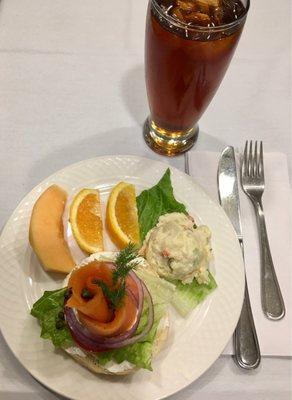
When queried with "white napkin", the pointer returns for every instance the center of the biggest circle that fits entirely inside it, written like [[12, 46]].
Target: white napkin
[[274, 336]]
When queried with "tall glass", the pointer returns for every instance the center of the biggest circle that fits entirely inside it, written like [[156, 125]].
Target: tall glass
[[185, 64]]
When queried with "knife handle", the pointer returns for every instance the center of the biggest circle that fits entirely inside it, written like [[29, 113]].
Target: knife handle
[[246, 346]]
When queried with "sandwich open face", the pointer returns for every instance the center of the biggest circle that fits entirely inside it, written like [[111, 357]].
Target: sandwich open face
[[105, 317]]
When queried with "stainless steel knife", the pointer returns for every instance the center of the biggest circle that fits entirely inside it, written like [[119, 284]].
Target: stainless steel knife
[[246, 347]]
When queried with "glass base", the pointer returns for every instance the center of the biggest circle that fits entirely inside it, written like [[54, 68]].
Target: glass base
[[169, 143]]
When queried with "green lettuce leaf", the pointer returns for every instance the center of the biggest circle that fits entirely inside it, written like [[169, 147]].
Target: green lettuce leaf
[[187, 297], [156, 201], [161, 290], [48, 310]]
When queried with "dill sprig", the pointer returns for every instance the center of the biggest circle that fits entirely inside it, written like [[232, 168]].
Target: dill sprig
[[124, 263]]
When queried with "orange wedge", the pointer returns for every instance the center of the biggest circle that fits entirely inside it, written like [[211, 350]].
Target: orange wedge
[[86, 221], [122, 215]]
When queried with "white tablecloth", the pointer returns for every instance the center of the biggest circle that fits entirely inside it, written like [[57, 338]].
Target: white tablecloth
[[72, 87]]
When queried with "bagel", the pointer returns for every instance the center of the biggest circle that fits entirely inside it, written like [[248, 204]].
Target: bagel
[[88, 359]]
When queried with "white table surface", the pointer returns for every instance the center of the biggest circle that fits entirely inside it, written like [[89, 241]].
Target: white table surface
[[72, 87]]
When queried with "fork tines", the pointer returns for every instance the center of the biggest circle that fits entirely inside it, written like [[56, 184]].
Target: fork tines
[[253, 163]]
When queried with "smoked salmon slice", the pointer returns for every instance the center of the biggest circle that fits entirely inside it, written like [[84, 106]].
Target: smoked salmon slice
[[94, 309]]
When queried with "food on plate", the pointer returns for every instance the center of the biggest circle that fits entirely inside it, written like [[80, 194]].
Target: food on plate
[[192, 283], [121, 215], [157, 201], [107, 318], [86, 220], [46, 233], [177, 248], [112, 315]]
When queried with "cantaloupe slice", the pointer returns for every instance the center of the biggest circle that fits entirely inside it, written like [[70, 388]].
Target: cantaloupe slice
[[46, 232]]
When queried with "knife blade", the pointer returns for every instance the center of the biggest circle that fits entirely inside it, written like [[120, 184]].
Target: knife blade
[[246, 347]]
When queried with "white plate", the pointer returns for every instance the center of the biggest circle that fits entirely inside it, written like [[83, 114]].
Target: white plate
[[194, 343]]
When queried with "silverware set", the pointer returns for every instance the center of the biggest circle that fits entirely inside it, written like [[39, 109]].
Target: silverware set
[[246, 348]]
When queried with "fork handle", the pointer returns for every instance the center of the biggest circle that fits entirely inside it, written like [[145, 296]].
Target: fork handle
[[272, 300]]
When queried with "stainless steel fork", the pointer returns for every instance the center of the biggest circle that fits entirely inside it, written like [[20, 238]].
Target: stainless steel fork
[[253, 184]]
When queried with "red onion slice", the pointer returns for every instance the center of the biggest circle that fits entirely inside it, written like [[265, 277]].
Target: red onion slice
[[93, 342]]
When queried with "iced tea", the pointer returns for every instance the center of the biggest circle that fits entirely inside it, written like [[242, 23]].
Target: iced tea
[[189, 45]]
